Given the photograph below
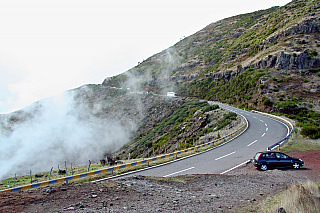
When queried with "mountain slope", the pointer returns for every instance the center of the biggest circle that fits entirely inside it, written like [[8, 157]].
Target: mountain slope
[[280, 39], [267, 60]]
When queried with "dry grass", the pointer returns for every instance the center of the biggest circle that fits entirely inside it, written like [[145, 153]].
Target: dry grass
[[299, 198], [302, 197]]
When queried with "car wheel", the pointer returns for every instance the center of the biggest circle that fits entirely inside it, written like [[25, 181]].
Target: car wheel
[[296, 165], [263, 167]]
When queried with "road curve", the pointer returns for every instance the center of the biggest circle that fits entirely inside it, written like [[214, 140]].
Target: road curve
[[261, 133]]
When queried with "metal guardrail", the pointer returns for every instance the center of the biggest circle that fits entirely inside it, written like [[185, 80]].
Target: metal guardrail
[[290, 133], [110, 169]]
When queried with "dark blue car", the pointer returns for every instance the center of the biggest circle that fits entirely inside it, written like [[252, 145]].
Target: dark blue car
[[273, 159]]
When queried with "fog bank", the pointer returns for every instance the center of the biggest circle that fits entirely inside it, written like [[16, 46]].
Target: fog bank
[[55, 130]]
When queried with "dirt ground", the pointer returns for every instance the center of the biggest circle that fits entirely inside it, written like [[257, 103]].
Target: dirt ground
[[192, 193]]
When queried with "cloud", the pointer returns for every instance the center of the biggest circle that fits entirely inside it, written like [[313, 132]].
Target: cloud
[[55, 130]]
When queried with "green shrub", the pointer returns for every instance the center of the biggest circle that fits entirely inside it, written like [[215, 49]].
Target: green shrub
[[315, 53], [312, 132], [265, 101], [210, 108], [287, 104], [227, 118], [314, 70]]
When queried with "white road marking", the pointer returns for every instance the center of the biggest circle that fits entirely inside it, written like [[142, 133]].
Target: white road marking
[[263, 134], [225, 155], [266, 124], [252, 143], [178, 172], [266, 129], [234, 167], [254, 117], [261, 120]]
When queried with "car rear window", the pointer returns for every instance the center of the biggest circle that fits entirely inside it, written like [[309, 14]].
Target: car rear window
[[257, 156]]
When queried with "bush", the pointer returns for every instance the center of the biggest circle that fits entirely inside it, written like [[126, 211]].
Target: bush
[[210, 108], [312, 132], [315, 53], [227, 118], [265, 101], [314, 70]]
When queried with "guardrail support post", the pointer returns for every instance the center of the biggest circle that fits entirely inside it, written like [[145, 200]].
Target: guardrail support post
[[89, 166], [50, 172], [65, 166], [71, 168], [128, 158]]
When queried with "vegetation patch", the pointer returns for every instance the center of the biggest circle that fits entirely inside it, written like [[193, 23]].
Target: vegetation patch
[[301, 144]]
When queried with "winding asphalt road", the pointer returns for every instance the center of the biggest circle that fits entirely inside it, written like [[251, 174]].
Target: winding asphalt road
[[261, 133]]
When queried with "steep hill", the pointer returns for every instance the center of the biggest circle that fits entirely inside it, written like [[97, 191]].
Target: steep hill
[[280, 40], [267, 60]]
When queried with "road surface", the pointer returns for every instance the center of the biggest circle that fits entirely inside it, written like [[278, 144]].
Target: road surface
[[261, 133]]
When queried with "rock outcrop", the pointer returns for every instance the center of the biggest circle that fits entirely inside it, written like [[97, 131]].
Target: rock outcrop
[[289, 61]]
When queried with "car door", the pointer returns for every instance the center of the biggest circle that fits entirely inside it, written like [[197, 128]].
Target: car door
[[271, 159], [285, 160]]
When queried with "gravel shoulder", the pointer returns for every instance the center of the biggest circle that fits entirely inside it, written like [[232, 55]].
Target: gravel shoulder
[[192, 193]]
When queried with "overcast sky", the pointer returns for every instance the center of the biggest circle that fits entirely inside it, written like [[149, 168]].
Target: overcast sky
[[47, 47]]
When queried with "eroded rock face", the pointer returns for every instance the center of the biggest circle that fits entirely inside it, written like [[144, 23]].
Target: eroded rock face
[[266, 63], [301, 61], [289, 61]]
